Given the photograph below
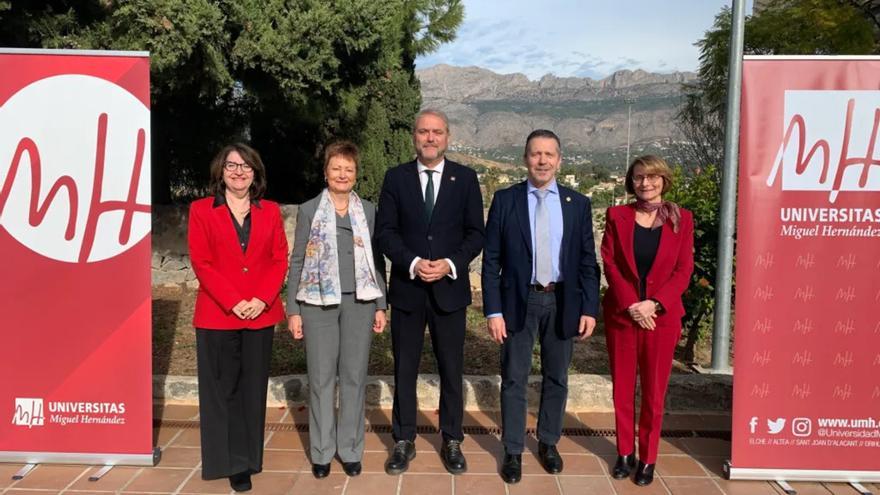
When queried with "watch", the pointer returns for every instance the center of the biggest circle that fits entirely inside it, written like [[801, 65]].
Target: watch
[[659, 307]]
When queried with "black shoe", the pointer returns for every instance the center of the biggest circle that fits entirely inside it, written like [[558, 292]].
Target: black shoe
[[623, 466], [644, 474], [453, 458], [398, 460], [550, 458], [511, 468], [321, 470], [352, 468], [241, 482]]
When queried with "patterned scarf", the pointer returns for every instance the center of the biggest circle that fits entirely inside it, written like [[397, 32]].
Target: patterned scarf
[[319, 282], [665, 210]]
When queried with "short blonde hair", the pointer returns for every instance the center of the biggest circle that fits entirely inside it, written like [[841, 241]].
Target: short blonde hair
[[653, 165], [431, 111]]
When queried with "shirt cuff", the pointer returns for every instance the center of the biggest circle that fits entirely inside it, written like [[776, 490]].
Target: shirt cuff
[[494, 315], [412, 268], [452, 273]]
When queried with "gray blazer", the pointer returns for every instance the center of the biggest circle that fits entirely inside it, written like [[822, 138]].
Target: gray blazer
[[304, 216]]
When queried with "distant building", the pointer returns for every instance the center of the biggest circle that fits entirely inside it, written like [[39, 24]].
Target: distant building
[[605, 186], [571, 180]]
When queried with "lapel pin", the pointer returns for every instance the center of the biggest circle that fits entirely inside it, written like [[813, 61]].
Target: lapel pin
[[568, 199], [452, 178]]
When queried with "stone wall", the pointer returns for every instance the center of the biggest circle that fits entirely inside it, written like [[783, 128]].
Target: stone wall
[[171, 266], [587, 393]]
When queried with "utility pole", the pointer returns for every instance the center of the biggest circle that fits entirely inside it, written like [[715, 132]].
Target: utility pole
[[727, 227], [629, 106]]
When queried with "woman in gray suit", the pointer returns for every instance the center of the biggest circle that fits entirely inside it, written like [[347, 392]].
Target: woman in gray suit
[[336, 300]]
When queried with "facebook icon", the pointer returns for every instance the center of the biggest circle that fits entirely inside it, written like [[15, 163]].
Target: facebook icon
[[753, 423]]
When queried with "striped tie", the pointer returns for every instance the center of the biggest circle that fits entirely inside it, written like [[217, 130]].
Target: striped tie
[[543, 257]]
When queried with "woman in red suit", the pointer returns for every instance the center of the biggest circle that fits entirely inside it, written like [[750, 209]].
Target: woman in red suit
[[239, 254], [647, 252]]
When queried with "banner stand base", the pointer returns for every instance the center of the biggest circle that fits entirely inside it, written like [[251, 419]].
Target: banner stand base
[[101, 472], [861, 489], [786, 487], [783, 475], [23, 471], [33, 458]]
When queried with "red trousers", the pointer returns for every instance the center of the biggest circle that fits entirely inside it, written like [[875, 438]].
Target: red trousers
[[632, 349]]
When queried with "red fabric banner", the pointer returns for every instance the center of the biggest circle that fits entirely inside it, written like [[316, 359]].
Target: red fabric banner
[[75, 240], [806, 386]]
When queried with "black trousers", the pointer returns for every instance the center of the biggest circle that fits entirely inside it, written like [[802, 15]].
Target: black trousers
[[447, 338], [233, 378], [516, 364]]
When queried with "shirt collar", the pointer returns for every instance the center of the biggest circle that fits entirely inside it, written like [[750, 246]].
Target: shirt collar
[[438, 168], [220, 200], [553, 187]]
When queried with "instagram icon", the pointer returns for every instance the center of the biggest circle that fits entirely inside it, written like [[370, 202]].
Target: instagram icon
[[801, 427]]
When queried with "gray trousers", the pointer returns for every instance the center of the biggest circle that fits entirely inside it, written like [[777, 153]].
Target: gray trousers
[[516, 364], [337, 344]]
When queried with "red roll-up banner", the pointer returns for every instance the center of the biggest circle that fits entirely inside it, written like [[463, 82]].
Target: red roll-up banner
[[807, 373], [75, 241]]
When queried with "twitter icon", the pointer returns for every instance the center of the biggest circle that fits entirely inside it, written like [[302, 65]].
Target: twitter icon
[[774, 426]]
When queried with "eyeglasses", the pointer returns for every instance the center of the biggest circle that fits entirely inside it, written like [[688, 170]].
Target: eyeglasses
[[649, 177], [232, 166]]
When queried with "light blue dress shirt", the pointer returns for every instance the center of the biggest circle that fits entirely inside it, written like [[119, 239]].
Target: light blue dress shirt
[[554, 208]]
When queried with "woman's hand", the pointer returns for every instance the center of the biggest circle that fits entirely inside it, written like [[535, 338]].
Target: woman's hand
[[253, 309], [643, 313], [379, 321], [295, 325], [239, 309]]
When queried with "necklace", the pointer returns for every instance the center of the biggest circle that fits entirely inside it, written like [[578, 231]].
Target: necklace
[[240, 211]]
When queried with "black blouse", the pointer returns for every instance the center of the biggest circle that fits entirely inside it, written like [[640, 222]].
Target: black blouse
[[645, 244], [243, 230]]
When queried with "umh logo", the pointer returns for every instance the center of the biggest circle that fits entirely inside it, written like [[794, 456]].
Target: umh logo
[[75, 187], [834, 154], [28, 412]]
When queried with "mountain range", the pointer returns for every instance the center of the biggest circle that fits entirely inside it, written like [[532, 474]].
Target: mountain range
[[491, 114]]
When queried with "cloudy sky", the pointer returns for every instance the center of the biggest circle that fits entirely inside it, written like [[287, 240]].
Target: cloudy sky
[[586, 38]]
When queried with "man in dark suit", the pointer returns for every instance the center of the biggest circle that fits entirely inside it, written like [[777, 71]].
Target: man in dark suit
[[430, 225], [540, 281]]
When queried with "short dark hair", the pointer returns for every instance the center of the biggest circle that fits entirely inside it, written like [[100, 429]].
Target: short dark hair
[[542, 133], [251, 157], [342, 148]]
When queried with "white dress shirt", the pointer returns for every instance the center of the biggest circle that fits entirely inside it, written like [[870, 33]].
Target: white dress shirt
[[423, 180]]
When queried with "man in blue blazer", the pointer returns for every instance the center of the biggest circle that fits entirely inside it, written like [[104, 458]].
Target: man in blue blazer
[[540, 281], [430, 225]]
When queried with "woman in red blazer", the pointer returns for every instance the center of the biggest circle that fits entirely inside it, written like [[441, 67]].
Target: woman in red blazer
[[238, 250], [647, 252]]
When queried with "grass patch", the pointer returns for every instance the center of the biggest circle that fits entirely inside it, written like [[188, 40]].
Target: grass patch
[[174, 346]]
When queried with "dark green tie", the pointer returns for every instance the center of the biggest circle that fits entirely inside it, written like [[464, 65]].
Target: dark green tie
[[429, 194]]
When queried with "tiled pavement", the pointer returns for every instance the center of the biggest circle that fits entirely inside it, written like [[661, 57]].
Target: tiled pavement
[[687, 465]]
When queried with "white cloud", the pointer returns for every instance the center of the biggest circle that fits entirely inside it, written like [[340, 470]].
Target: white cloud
[[589, 38]]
